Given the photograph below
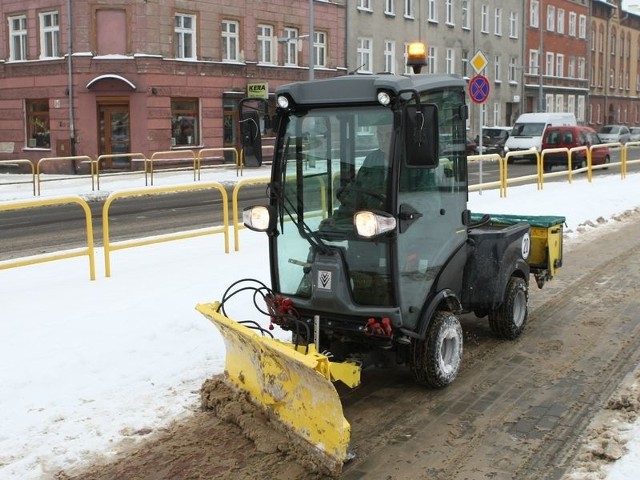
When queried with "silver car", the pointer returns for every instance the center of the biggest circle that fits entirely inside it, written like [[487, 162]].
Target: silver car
[[614, 134], [635, 134]]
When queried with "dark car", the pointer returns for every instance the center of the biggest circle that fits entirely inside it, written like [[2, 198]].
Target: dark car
[[571, 137], [472, 147], [447, 146], [493, 140]]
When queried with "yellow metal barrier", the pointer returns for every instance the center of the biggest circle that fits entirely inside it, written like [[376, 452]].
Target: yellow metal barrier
[[488, 157], [79, 158], [207, 153], [625, 160], [109, 247], [505, 173], [591, 167], [540, 164], [622, 163], [23, 161], [570, 161], [95, 167], [89, 251], [171, 155]]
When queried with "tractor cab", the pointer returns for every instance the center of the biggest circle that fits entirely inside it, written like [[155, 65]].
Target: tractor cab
[[368, 199]]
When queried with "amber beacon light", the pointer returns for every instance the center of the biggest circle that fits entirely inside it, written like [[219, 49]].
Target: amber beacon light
[[416, 56]]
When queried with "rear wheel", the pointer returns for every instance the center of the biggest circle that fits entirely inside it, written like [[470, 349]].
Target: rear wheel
[[435, 361], [578, 163], [607, 160], [509, 319]]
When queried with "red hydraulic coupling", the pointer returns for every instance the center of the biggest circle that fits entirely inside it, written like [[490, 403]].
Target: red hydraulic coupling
[[380, 328], [280, 307]]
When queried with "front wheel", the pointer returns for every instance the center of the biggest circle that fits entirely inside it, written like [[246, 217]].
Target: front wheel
[[509, 318], [435, 361]]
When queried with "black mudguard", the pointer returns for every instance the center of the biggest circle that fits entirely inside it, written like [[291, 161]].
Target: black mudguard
[[496, 253]]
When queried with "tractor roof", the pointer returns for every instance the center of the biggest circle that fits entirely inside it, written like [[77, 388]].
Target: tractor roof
[[364, 88]]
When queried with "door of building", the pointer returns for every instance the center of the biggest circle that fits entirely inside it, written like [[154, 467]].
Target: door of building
[[113, 134]]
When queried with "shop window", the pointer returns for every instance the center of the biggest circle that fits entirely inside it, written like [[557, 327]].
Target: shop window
[[38, 124], [185, 122]]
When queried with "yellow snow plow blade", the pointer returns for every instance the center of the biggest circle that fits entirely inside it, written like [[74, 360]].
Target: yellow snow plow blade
[[294, 385]]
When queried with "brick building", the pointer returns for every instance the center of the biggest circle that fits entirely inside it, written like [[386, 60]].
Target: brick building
[[97, 77], [555, 53], [614, 50]]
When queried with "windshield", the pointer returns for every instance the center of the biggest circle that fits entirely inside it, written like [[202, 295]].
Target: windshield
[[610, 129], [494, 133], [334, 162], [527, 129]]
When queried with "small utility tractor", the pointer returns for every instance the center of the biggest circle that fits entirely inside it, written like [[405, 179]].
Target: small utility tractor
[[372, 248]]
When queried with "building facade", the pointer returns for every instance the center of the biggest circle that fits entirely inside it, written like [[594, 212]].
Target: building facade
[[556, 60], [454, 31], [614, 50], [494, 30], [98, 77]]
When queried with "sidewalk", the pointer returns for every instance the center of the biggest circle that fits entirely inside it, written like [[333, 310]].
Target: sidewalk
[[21, 186]]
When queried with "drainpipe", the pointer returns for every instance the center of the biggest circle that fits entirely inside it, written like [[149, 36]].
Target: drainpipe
[[311, 40], [347, 32], [72, 127], [541, 101], [606, 71]]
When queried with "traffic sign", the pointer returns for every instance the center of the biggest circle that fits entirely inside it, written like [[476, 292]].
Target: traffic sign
[[479, 88], [479, 61]]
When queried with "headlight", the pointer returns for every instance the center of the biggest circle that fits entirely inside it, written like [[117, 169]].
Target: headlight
[[258, 218], [283, 102], [370, 224], [384, 98]]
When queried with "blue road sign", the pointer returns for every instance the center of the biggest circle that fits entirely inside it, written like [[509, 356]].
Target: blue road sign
[[479, 88]]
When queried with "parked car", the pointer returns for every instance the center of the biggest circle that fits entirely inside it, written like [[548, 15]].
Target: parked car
[[615, 134], [570, 137], [472, 147], [493, 140], [634, 134], [447, 146]]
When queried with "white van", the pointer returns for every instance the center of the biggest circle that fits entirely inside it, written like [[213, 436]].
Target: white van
[[529, 129]]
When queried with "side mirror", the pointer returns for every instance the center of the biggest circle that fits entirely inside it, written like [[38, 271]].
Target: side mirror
[[421, 135]]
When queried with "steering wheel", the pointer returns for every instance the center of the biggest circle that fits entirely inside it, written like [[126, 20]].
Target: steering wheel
[[342, 192]]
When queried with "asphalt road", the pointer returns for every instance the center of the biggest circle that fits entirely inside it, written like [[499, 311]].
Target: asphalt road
[[49, 229]]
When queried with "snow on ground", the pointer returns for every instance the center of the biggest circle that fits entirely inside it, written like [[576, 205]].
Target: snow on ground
[[87, 364]]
